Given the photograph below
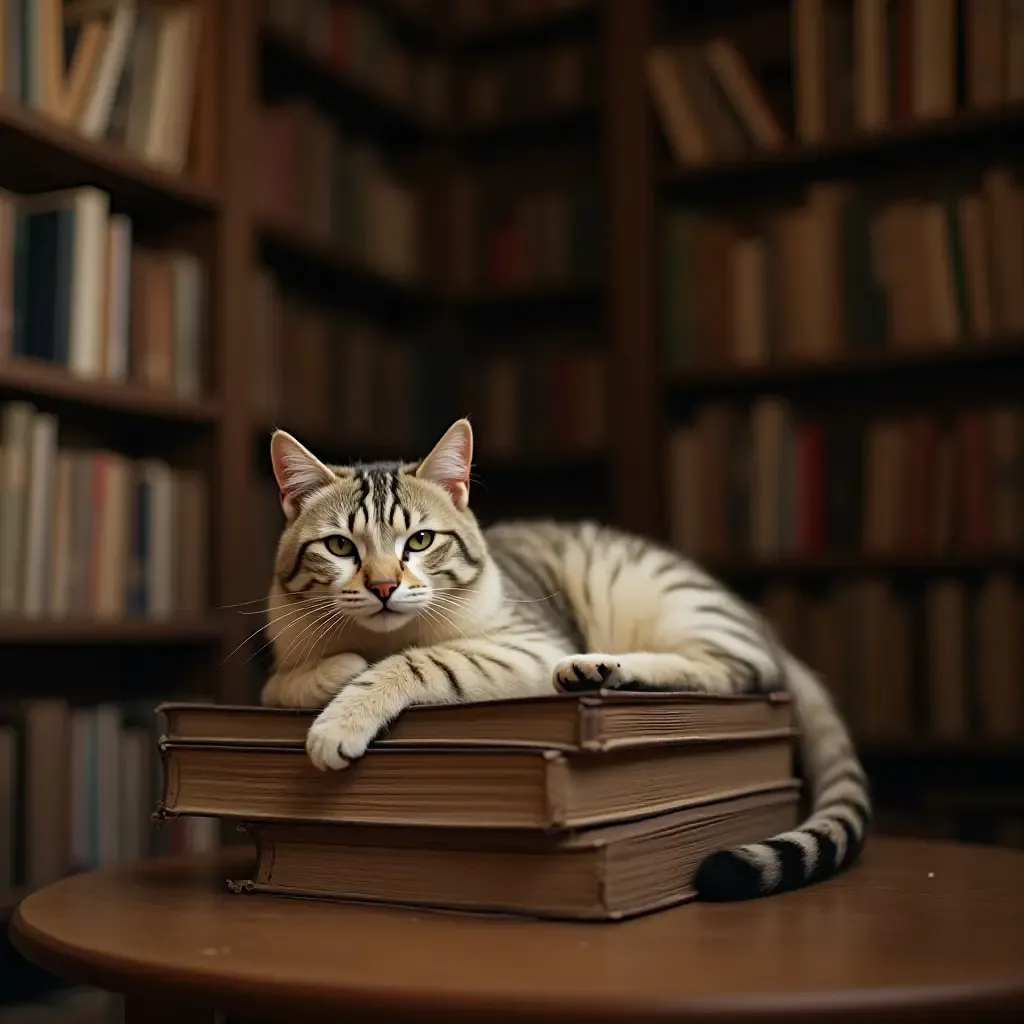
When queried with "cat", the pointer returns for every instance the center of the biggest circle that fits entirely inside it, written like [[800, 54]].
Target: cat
[[387, 593]]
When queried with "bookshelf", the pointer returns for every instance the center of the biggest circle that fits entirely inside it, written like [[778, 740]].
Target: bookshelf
[[926, 614], [97, 625]]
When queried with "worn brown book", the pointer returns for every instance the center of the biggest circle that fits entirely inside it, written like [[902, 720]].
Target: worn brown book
[[603, 873], [482, 787], [607, 720]]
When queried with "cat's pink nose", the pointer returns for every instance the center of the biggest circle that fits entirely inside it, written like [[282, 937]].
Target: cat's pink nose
[[383, 588]]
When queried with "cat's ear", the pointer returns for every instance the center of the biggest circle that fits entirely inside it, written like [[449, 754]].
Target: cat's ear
[[450, 461], [297, 470]]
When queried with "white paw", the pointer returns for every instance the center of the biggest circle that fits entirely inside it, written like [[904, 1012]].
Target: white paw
[[343, 731], [583, 672]]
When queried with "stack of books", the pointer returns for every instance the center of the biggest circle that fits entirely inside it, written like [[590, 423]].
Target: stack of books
[[595, 806]]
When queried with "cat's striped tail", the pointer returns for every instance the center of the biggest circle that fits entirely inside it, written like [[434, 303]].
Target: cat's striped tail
[[830, 839]]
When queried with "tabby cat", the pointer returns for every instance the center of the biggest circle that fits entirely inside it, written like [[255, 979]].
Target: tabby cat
[[387, 593]]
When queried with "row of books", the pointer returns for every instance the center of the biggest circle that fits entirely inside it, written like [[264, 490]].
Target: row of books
[[582, 808], [325, 375], [766, 481], [121, 71], [310, 178], [469, 17], [845, 271], [869, 64], [529, 84], [92, 533], [709, 104], [78, 785], [359, 42], [553, 402], [77, 290], [941, 660], [504, 240]]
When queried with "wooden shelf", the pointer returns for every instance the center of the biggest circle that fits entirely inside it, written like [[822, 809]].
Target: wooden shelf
[[543, 298], [82, 632], [289, 66], [41, 155], [846, 367], [797, 568], [966, 137], [315, 262], [554, 125], [30, 379]]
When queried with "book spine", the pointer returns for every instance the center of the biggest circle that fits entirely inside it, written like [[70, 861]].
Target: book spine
[[555, 810]]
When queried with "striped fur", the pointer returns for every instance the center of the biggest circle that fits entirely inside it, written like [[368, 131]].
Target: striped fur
[[517, 610]]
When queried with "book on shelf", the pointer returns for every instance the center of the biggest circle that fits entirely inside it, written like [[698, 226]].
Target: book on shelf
[[874, 64], [940, 659], [358, 42], [709, 103], [765, 481], [530, 84], [568, 793], [337, 191], [77, 290], [597, 722], [77, 790], [605, 873], [516, 240], [339, 369], [569, 384], [845, 271], [119, 71], [92, 533]]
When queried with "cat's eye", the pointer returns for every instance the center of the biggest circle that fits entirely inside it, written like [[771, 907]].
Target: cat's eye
[[340, 547], [420, 541]]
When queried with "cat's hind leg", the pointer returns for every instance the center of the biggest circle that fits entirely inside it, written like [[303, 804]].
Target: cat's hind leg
[[696, 666]]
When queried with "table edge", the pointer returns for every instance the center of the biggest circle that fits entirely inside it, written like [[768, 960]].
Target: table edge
[[992, 1000]]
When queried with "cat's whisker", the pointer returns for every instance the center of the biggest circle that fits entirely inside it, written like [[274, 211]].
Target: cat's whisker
[[297, 618], [508, 600], [257, 632], [435, 614], [459, 606], [244, 604], [304, 633], [325, 630], [306, 602]]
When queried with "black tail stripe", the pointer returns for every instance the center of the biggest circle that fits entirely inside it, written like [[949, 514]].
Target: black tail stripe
[[791, 859]]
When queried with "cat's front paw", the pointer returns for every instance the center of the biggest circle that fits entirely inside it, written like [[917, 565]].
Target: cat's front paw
[[343, 730], [582, 673]]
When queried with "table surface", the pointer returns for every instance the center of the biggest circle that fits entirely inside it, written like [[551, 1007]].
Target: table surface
[[915, 928]]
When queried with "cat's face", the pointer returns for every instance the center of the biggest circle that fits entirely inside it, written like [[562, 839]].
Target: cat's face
[[379, 545]]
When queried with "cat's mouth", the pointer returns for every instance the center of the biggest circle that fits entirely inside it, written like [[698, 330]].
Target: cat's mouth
[[385, 619]]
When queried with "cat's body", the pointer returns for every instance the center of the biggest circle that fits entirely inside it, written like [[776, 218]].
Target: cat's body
[[519, 610]]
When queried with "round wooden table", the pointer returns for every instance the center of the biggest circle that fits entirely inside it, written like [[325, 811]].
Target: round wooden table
[[917, 931]]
